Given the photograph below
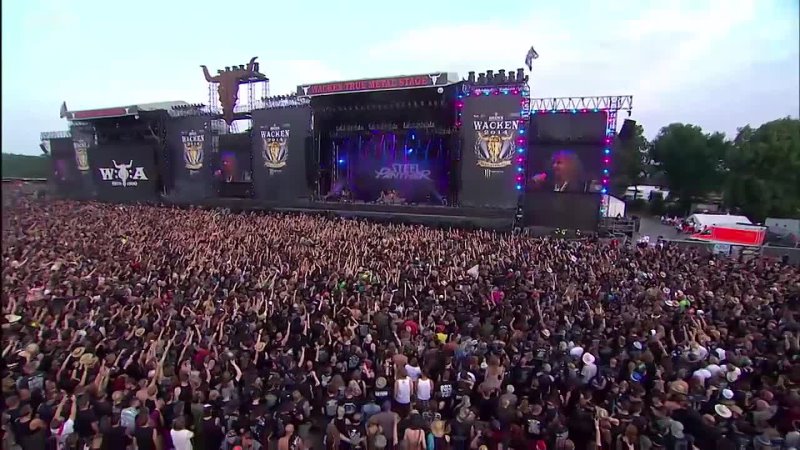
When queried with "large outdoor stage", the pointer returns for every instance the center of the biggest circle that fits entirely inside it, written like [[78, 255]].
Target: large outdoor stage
[[428, 148]]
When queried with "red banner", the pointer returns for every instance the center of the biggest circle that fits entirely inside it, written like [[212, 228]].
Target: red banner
[[374, 84]]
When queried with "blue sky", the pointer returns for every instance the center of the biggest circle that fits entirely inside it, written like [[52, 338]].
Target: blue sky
[[718, 64]]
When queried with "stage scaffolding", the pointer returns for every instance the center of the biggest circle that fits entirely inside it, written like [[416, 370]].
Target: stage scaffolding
[[583, 104]]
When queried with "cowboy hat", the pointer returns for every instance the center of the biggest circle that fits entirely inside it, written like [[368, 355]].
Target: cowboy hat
[[13, 318], [139, 332], [723, 411], [671, 303], [78, 352], [546, 333], [588, 358]]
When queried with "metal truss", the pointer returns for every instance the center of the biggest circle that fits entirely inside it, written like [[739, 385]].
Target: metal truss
[[47, 135], [615, 103]]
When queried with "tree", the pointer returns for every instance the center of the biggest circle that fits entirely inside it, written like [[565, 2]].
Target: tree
[[629, 161], [763, 170], [26, 166], [691, 161]]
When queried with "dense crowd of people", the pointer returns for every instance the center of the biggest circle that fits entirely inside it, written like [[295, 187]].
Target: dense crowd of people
[[164, 328]]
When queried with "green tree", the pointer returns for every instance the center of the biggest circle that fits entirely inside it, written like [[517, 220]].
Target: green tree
[[26, 166], [763, 170], [629, 161], [692, 161]]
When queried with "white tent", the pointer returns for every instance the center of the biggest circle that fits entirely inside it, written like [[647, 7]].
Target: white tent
[[707, 220]]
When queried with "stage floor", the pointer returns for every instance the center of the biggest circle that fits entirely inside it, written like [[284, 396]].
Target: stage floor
[[496, 218]]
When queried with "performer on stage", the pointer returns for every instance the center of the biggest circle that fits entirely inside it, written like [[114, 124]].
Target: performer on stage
[[566, 175]]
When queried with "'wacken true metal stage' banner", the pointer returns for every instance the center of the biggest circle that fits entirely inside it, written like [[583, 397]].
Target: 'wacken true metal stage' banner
[[279, 159], [189, 144], [489, 166]]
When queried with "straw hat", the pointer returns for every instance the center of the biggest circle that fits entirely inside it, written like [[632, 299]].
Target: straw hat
[[437, 428], [588, 358], [78, 352], [88, 360]]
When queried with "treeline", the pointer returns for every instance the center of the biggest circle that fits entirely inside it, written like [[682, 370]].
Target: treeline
[[25, 166], [756, 173]]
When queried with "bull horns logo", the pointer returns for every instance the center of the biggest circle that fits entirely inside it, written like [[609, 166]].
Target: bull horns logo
[[228, 86]]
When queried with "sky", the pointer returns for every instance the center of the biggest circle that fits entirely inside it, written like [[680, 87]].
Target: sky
[[717, 64]]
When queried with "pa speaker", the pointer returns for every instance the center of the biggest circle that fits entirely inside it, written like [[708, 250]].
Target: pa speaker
[[628, 130]]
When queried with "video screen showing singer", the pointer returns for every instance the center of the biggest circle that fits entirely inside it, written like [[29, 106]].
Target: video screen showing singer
[[565, 174]]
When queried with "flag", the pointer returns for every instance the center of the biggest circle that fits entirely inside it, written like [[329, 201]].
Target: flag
[[530, 57], [473, 271], [63, 112]]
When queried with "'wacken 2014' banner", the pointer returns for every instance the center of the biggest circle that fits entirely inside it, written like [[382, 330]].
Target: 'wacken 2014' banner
[[83, 138], [490, 132], [189, 143], [279, 159]]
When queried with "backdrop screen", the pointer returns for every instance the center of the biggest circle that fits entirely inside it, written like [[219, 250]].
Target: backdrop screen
[[569, 210], [567, 127], [234, 162], [565, 168]]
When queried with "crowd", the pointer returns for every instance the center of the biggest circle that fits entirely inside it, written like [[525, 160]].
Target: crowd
[[162, 328]]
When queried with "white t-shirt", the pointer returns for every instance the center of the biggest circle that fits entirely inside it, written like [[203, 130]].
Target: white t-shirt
[[413, 372], [61, 436], [181, 439]]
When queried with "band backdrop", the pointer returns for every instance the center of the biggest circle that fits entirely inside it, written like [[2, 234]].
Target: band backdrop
[[279, 152], [189, 144], [65, 174], [83, 138], [124, 171], [414, 181], [490, 133]]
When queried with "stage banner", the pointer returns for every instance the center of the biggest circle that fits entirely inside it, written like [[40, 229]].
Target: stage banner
[[83, 138], [190, 152], [124, 172], [568, 210], [279, 153], [418, 182], [565, 168], [489, 151], [65, 175]]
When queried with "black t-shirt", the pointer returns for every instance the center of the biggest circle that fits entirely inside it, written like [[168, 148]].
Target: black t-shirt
[[83, 422], [115, 438], [382, 395], [351, 406], [355, 432]]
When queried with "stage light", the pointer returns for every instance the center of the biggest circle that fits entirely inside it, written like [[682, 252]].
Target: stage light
[[515, 91], [607, 160], [519, 187], [607, 151], [519, 169], [410, 151], [605, 171], [341, 162], [574, 111], [520, 150], [604, 191], [595, 110]]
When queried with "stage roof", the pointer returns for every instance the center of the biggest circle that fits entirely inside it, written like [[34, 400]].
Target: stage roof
[[431, 79], [121, 111]]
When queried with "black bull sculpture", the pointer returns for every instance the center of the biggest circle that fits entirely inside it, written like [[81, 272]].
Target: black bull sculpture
[[228, 86]]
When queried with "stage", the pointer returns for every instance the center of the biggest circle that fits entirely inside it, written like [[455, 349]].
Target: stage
[[491, 218]]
